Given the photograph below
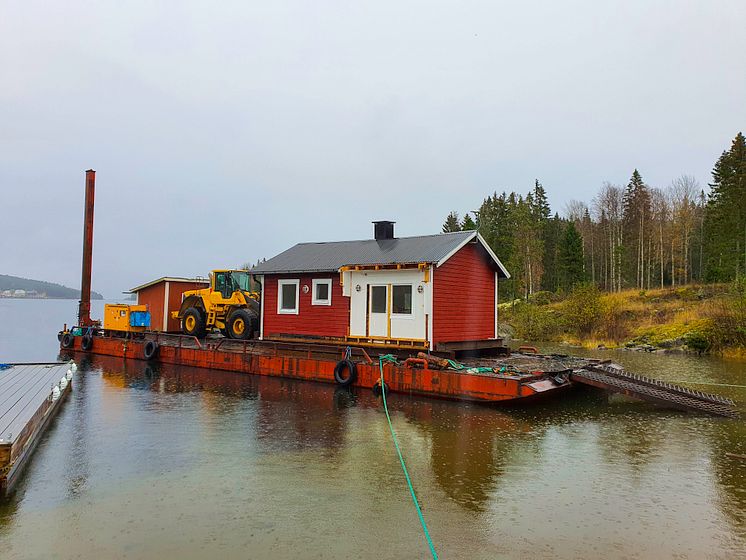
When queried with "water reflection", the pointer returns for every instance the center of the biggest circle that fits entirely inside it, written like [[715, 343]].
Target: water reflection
[[281, 461]]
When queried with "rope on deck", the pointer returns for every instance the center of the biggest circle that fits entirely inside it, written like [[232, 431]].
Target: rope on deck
[[392, 359]]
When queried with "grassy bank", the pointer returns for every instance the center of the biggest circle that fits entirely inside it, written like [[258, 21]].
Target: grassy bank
[[703, 319]]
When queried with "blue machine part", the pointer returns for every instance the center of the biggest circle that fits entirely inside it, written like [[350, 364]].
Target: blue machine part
[[140, 319]]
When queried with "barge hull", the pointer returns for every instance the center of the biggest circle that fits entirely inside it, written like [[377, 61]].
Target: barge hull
[[263, 358]]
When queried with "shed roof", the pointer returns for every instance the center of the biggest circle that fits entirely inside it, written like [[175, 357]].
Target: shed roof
[[168, 279], [331, 256]]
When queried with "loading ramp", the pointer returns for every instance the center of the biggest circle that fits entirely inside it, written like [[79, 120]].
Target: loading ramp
[[613, 377]]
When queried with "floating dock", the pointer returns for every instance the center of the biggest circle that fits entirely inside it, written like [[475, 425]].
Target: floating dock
[[30, 396]]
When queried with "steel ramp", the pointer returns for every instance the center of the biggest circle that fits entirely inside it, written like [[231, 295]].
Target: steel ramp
[[613, 377]]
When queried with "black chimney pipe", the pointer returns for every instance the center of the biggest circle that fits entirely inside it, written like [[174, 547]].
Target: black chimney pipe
[[383, 230]]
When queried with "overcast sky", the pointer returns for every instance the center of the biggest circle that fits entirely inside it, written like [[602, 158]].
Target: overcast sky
[[227, 131]]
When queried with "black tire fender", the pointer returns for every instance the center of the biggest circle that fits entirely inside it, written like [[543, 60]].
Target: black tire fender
[[67, 340], [339, 370], [377, 388], [150, 351], [86, 343]]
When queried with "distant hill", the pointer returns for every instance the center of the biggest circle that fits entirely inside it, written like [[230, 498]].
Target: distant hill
[[52, 290]]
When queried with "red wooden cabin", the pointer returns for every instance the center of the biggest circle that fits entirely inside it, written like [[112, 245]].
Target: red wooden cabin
[[431, 291]]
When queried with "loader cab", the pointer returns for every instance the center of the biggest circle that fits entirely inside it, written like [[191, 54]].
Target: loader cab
[[222, 283], [226, 282]]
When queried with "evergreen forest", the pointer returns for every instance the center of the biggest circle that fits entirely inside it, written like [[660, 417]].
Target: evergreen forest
[[634, 235]]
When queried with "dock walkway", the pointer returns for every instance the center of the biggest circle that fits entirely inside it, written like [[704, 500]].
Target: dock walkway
[[30, 395]]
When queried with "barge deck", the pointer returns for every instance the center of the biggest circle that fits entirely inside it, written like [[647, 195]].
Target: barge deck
[[30, 396]]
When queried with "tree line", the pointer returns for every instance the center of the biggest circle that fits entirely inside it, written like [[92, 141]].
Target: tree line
[[631, 236]]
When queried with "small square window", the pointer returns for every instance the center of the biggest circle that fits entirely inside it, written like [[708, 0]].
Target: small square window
[[322, 292], [287, 296]]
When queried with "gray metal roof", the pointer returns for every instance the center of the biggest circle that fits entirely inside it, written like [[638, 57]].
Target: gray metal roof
[[331, 256]]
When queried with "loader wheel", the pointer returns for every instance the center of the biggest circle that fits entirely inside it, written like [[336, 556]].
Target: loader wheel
[[241, 325], [193, 323]]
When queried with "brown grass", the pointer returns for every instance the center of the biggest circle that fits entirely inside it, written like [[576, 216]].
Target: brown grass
[[664, 317]]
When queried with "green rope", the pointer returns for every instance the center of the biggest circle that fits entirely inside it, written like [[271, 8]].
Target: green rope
[[392, 359], [468, 369]]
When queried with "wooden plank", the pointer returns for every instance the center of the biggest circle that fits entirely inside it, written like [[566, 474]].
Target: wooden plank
[[10, 377], [25, 409], [17, 385], [15, 392]]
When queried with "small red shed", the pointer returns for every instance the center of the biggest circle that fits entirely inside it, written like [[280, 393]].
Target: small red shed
[[431, 291], [164, 295]]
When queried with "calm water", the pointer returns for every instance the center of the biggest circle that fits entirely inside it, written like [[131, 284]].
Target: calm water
[[188, 463]]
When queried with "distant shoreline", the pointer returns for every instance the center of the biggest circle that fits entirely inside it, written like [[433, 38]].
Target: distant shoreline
[[47, 297]]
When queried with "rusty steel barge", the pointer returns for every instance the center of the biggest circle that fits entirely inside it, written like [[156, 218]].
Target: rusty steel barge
[[491, 380], [486, 372]]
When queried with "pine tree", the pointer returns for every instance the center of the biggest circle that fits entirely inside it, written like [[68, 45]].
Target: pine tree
[[452, 223], [467, 224], [636, 219], [725, 215], [552, 234], [540, 208], [571, 257], [497, 227]]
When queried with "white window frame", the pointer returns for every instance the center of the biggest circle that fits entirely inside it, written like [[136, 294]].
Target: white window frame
[[280, 284], [315, 282]]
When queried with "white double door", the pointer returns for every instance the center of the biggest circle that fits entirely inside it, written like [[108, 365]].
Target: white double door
[[389, 304]]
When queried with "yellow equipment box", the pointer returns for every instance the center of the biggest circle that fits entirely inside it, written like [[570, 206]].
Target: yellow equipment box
[[126, 318]]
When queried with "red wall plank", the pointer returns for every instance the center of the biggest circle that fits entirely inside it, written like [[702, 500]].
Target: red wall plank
[[318, 320], [153, 296], [464, 297]]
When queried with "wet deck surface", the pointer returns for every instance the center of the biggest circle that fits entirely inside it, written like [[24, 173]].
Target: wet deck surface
[[529, 363], [24, 388]]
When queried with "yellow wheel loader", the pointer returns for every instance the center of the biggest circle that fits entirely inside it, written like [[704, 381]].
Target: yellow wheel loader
[[228, 305]]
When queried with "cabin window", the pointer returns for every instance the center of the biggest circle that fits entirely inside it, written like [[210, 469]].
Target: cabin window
[[287, 296], [401, 299], [322, 292], [378, 299]]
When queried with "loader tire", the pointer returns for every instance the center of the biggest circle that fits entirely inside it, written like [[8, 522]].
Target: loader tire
[[193, 323], [241, 324]]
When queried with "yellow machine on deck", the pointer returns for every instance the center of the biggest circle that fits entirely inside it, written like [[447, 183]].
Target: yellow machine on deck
[[228, 304], [120, 317]]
